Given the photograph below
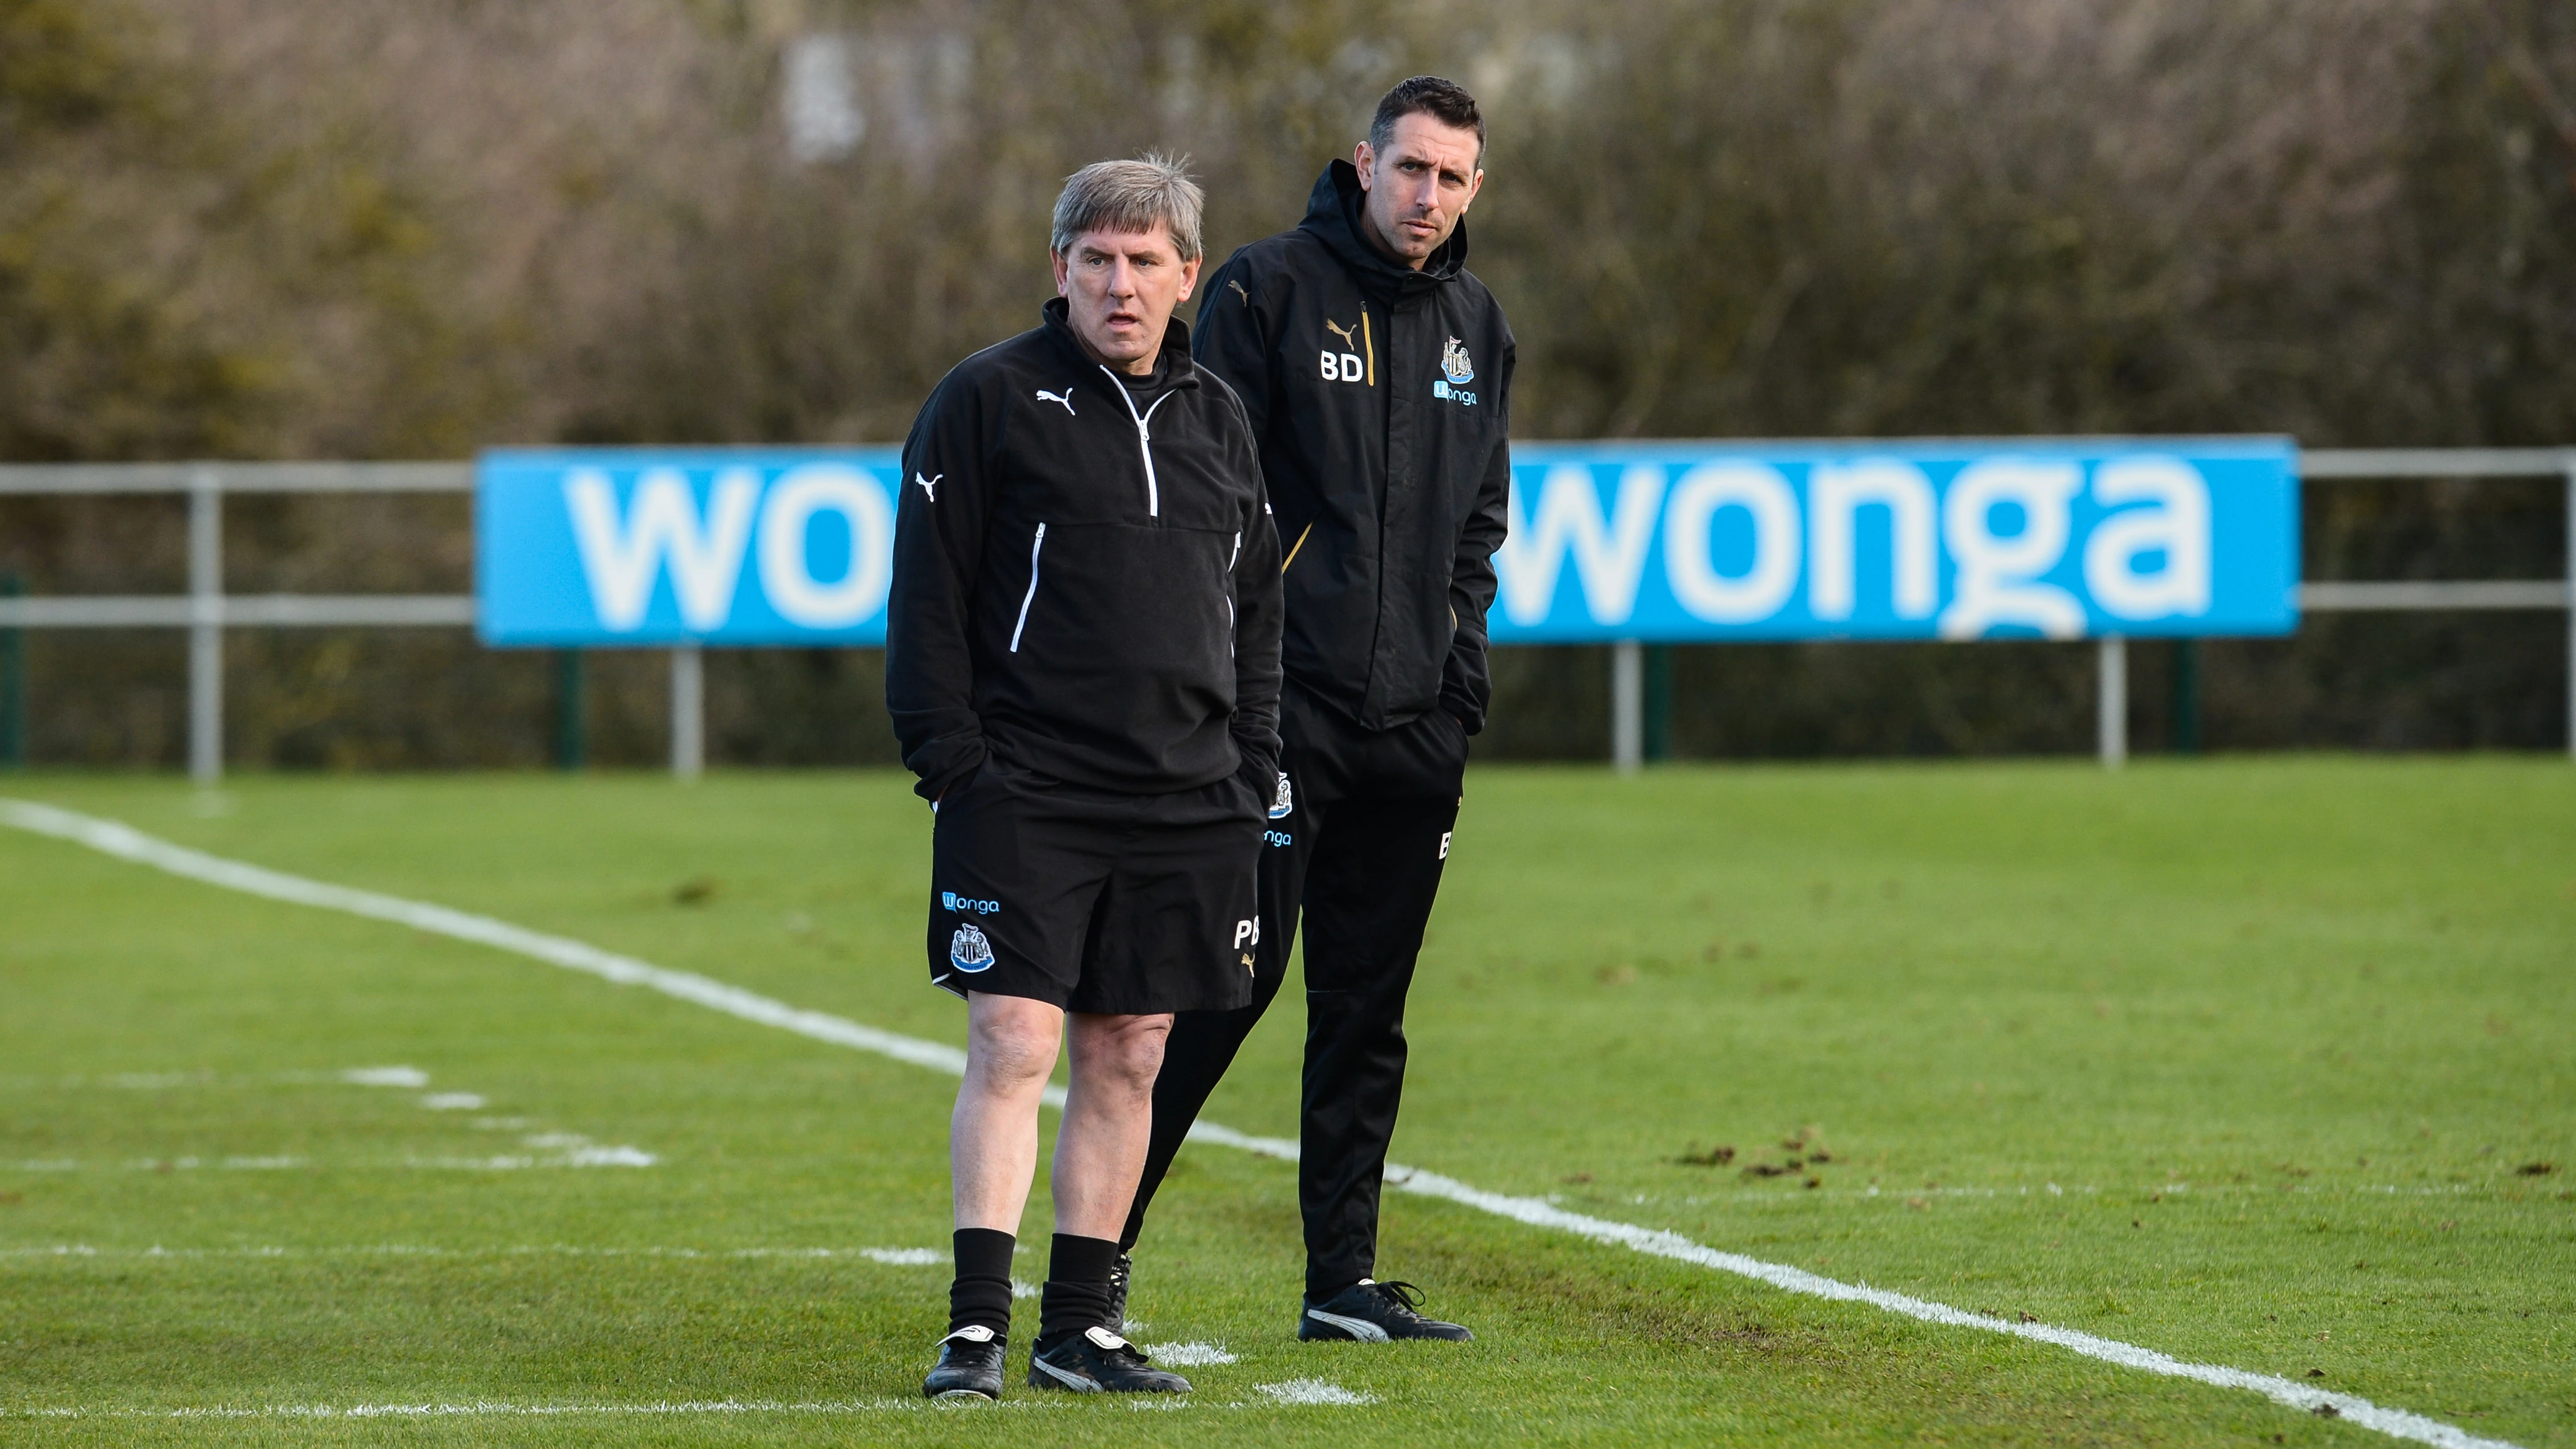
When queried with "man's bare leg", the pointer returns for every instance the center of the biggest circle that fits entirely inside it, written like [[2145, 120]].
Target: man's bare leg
[[1108, 1120], [1108, 1123], [992, 1154], [993, 1134]]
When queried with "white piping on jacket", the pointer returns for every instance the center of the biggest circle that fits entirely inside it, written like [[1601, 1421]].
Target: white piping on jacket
[[1144, 440], [1031, 596]]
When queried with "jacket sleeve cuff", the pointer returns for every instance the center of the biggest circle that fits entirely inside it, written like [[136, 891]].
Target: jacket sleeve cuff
[[940, 779], [1464, 706], [1258, 760]]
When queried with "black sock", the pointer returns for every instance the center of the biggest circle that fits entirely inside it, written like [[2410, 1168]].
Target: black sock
[[1323, 1287], [1076, 1296], [981, 1293]]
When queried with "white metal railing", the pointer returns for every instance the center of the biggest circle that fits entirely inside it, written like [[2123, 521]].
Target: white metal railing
[[2111, 698], [205, 611]]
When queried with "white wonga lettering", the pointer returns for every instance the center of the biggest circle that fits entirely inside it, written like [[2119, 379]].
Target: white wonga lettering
[[1998, 574], [2175, 525], [620, 559], [1836, 492], [1609, 554]]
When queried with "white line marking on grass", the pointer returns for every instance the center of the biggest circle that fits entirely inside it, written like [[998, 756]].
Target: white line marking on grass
[[584, 1156], [1658, 1243], [412, 1077], [127, 843], [453, 1102], [1313, 1391], [1188, 1355], [906, 1257], [483, 1409]]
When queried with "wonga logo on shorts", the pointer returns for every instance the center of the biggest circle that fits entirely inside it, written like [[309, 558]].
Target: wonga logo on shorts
[[969, 951], [952, 901]]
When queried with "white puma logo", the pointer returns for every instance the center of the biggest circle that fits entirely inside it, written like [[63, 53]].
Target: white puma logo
[[1065, 397], [929, 486]]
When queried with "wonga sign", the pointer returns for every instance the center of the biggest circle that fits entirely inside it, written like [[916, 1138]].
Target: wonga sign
[[1661, 541], [2058, 539], [667, 545]]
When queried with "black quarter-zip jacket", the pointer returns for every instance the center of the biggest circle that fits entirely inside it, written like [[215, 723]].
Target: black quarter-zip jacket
[[1086, 579], [1381, 399]]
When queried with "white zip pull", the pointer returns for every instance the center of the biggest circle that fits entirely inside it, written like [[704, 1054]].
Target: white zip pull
[[1030, 597], [1144, 439]]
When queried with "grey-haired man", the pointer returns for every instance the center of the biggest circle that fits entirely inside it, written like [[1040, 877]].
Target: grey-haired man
[[1082, 662]]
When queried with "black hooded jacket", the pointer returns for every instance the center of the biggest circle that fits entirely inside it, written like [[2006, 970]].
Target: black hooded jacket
[[1086, 580], [1381, 399]]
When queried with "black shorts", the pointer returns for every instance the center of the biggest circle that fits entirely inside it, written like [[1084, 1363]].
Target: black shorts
[[1092, 901]]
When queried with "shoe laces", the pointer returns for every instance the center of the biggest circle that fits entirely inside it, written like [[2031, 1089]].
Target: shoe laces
[[1401, 1295]]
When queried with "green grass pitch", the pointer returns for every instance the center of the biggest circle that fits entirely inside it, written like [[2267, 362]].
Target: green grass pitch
[[2253, 1062]]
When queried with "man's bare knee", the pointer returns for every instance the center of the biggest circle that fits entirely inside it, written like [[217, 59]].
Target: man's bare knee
[[1010, 1042], [1122, 1051]]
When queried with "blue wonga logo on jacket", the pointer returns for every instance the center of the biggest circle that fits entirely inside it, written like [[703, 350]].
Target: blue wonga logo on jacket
[[969, 951]]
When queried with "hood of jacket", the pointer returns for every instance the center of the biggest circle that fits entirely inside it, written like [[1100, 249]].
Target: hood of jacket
[[1333, 216]]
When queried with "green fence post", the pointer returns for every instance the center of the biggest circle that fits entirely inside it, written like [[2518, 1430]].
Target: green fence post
[[2186, 696], [1659, 702], [13, 682], [572, 727]]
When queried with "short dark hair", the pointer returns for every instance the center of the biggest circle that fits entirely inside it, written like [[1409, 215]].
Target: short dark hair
[[1444, 101]]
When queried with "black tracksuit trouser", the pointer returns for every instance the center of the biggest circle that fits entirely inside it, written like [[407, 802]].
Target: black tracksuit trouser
[[1361, 849]]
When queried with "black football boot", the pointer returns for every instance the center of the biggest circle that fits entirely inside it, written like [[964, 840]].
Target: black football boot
[[1372, 1312], [969, 1367], [1096, 1361]]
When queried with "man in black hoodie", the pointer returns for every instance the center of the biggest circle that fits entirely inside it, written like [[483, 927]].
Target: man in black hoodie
[[1376, 374], [1082, 662]]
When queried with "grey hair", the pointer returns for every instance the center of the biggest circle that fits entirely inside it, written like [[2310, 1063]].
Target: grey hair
[[1130, 196]]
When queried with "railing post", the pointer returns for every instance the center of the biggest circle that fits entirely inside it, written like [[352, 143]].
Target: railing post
[[2186, 696], [688, 714], [572, 730], [1658, 729], [2112, 701], [13, 682], [1627, 706], [205, 628]]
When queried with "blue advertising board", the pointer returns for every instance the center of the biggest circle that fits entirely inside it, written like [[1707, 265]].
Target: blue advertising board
[[2056, 538], [609, 546], [2048, 538]]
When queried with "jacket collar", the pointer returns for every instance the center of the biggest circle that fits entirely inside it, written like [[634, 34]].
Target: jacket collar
[[1333, 215], [1173, 367]]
